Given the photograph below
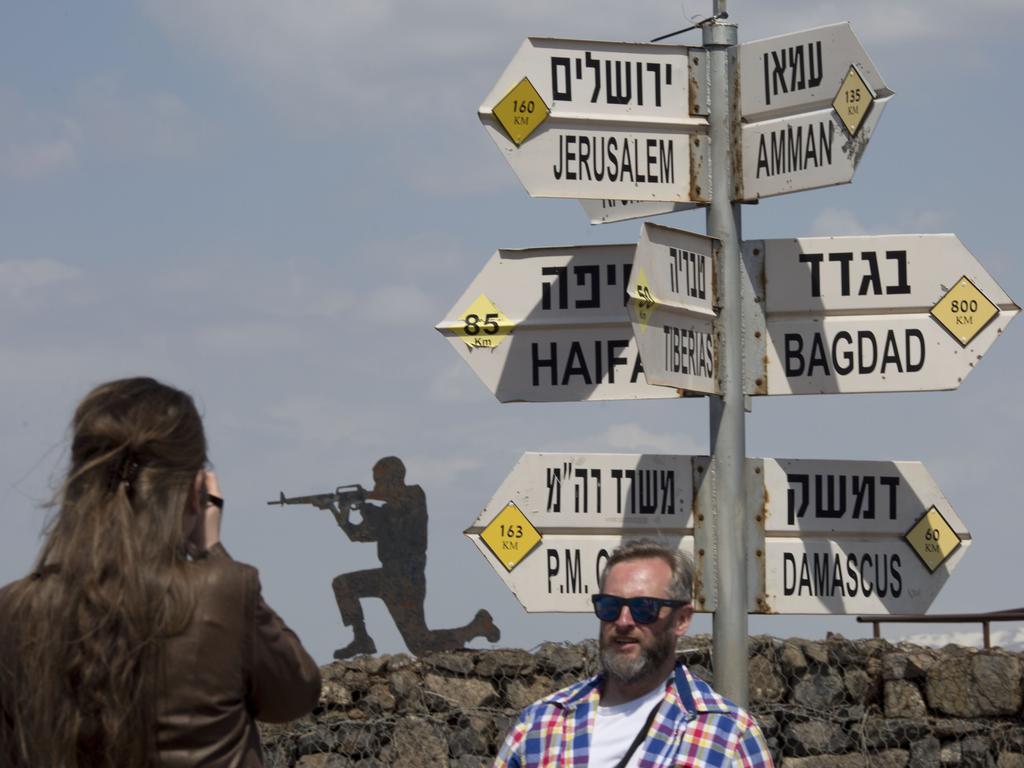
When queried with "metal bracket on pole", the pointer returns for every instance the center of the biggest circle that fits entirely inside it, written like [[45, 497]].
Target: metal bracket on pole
[[755, 332]]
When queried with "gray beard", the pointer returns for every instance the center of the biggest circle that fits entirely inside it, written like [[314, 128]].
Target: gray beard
[[631, 670]]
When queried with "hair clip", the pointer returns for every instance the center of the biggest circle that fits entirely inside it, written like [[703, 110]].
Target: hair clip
[[129, 470], [125, 472]]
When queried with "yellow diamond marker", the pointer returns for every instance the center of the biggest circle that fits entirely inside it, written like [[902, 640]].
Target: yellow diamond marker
[[521, 111], [853, 100], [964, 311], [644, 301], [510, 536], [483, 324], [932, 539]]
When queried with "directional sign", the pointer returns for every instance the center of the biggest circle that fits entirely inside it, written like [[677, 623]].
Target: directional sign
[[606, 211], [801, 71], [850, 536], [564, 570], [550, 324], [603, 120], [580, 507], [888, 313], [608, 491], [810, 102], [802, 152], [824, 536], [672, 301]]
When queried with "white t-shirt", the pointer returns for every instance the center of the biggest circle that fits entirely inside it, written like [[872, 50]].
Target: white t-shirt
[[616, 728]]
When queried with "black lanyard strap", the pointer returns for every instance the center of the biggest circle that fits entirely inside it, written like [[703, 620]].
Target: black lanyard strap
[[639, 737]]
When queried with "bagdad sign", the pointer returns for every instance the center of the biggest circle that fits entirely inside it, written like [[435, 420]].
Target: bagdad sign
[[556, 518], [672, 307], [844, 537], [602, 120], [886, 313], [550, 324], [809, 103]]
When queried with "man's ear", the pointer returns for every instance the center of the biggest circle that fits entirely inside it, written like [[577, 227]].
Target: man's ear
[[683, 617]]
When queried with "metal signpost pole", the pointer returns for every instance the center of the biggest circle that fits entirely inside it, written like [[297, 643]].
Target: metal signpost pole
[[728, 430]]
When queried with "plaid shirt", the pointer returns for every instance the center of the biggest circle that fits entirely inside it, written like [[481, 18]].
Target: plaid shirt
[[694, 727]]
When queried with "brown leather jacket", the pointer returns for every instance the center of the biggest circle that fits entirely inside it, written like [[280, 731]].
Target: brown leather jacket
[[236, 662]]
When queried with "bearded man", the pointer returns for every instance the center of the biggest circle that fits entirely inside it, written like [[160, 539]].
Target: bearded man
[[644, 708]]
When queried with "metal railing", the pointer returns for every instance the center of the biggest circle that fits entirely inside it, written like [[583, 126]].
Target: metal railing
[[985, 619]]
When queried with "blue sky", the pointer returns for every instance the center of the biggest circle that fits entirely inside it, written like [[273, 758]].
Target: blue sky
[[271, 204]]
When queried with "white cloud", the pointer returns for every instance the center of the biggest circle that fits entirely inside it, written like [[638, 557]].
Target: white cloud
[[398, 305], [357, 65], [36, 160], [835, 221], [418, 255], [36, 142], [1009, 639], [437, 472], [19, 277], [882, 21], [250, 337], [313, 419], [632, 437], [479, 170], [346, 66], [154, 122], [33, 143], [455, 383], [926, 221]]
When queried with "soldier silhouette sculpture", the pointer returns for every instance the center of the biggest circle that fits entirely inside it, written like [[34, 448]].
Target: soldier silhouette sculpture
[[398, 523]]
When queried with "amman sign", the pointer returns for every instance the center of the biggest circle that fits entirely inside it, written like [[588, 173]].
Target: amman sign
[[847, 537], [801, 71], [550, 324], [885, 313], [809, 102], [603, 120]]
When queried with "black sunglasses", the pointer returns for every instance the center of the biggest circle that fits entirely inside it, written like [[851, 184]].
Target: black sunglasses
[[644, 610]]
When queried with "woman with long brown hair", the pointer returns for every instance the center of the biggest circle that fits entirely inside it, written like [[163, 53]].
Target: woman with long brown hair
[[136, 640]]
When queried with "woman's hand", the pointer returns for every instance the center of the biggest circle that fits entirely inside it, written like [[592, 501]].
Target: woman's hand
[[206, 532]]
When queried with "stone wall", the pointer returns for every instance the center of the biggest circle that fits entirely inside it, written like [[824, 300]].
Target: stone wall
[[837, 703]]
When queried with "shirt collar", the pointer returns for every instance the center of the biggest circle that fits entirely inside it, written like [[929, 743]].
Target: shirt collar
[[689, 693]]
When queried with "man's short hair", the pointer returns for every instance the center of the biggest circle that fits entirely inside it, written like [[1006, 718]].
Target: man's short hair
[[681, 585]]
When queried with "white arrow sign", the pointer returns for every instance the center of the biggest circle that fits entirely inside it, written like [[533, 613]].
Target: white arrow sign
[[801, 71], [838, 537], [671, 305], [608, 491], [550, 324], [563, 572], [557, 516], [850, 536], [810, 102], [607, 211], [889, 313], [808, 151], [602, 120]]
